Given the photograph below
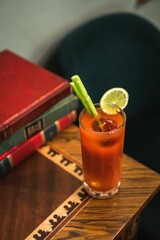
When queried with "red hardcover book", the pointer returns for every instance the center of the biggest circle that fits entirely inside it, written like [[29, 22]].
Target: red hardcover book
[[26, 91], [18, 153]]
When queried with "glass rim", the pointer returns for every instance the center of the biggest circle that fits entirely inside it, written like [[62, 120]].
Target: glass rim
[[121, 112]]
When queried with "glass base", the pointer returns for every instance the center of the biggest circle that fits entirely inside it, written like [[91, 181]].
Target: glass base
[[101, 195]]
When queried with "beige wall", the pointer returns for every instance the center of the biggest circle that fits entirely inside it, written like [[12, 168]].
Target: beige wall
[[32, 28]]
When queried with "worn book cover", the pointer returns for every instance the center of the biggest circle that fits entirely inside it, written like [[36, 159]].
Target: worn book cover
[[27, 90], [59, 110], [18, 153]]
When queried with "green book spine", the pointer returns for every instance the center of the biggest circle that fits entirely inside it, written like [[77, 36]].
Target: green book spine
[[62, 108]]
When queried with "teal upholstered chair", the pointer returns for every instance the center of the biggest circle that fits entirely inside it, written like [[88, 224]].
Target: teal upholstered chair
[[121, 50]]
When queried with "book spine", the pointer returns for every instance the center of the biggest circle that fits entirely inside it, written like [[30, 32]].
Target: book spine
[[61, 109], [16, 155], [7, 130]]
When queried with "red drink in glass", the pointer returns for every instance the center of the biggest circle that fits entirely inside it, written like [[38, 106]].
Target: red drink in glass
[[102, 152]]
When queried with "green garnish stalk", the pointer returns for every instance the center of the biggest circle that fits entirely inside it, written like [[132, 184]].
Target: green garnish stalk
[[81, 92]]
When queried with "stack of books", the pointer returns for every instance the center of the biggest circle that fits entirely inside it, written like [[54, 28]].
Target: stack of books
[[35, 104]]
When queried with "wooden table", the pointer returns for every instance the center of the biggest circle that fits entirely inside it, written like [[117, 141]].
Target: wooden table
[[35, 193]]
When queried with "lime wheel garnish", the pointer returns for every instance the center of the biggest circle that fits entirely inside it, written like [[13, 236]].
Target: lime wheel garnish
[[113, 100]]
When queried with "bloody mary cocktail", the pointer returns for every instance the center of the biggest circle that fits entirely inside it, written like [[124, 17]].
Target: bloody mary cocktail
[[102, 143]]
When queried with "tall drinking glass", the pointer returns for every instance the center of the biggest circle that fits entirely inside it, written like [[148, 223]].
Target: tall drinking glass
[[102, 151]]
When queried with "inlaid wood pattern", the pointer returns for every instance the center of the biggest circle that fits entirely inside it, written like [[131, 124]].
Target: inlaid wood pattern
[[109, 219], [27, 198], [30, 193]]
